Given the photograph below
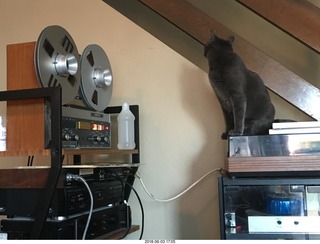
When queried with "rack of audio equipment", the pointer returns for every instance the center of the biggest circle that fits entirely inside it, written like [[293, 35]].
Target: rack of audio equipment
[[48, 179]]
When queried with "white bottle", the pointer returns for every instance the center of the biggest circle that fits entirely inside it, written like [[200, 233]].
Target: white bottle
[[3, 136], [126, 128]]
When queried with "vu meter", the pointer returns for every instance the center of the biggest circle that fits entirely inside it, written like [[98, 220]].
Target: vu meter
[[85, 128]]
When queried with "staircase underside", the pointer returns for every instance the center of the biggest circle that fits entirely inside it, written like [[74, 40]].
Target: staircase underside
[[174, 20]]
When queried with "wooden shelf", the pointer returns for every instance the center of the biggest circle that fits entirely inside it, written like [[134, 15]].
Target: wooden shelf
[[21, 153], [97, 151], [117, 234], [46, 152]]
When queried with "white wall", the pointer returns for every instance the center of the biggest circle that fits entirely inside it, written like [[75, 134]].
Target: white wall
[[180, 118]]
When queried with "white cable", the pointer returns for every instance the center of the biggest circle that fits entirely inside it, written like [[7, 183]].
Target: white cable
[[180, 194], [77, 178]]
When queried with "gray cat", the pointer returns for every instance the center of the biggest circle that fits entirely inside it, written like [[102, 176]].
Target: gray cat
[[243, 97]]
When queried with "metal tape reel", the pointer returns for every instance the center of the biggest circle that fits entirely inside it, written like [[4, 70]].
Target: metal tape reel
[[57, 60], [96, 77]]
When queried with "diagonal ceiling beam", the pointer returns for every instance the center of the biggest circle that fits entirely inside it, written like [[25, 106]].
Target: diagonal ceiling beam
[[277, 78], [300, 19]]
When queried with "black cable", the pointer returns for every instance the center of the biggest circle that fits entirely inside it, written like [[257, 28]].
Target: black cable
[[129, 228], [125, 234], [122, 188], [123, 182], [30, 160], [142, 211]]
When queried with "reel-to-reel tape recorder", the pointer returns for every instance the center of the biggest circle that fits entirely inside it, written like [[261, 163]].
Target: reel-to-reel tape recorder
[[86, 82]]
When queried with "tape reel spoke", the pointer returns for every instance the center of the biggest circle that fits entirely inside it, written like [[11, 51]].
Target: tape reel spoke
[[96, 78], [57, 61]]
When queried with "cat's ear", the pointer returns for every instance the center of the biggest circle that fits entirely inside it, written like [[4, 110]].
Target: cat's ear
[[212, 35], [231, 39]]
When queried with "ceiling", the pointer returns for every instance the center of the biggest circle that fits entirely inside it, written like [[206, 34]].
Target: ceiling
[[184, 26]]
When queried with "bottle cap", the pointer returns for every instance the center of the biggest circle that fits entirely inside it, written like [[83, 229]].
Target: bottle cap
[[125, 105]]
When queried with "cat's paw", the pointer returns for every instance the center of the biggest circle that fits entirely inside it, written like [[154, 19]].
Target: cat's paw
[[235, 133], [224, 136]]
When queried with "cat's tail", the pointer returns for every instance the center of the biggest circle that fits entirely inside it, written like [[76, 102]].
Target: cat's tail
[[283, 120]]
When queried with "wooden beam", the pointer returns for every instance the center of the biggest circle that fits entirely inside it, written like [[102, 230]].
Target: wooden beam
[[300, 19], [277, 78]]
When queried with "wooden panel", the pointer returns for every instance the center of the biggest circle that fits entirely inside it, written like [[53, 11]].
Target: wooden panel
[[20, 153], [273, 164], [23, 178], [300, 19], [25, 118], [277, 78]]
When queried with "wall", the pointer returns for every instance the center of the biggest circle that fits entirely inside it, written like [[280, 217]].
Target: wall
[[181, 120], [274, 42], [180, 117]]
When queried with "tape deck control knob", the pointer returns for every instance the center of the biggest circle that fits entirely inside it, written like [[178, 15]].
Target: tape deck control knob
[[97, 138], [68, 137], [105, 139]]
